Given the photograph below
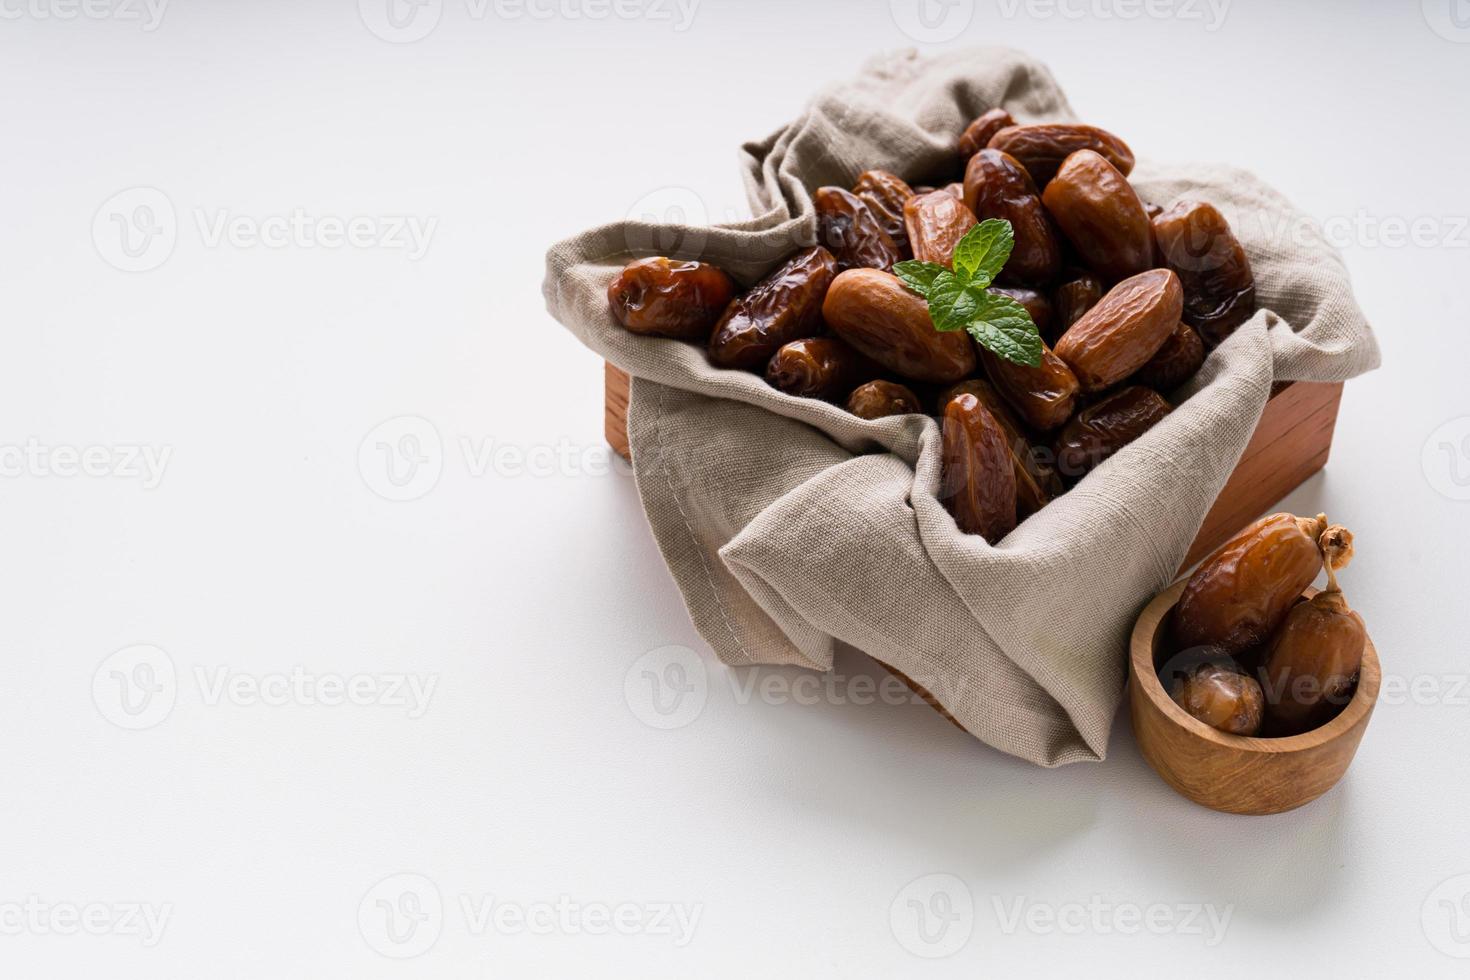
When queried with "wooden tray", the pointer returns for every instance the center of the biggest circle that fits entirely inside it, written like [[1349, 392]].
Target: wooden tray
[[1290, 444]]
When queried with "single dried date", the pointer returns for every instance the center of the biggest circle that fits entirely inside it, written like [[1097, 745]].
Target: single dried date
[[1106, 426], [1175, 362], [1101, 216], [936, 222], [1036, 482], [997, 186], [1124, 330], [784, 306], [885, 195], [1044, 396], [669, 298], [1042, 148], [1195, 241], [1224, 699], [850, 230], [978, 482], [977, 135], [818, 367], [1241, 593], [880, 399], [874, 312]]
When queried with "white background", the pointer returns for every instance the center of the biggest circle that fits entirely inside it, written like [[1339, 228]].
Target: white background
[[528, 593]]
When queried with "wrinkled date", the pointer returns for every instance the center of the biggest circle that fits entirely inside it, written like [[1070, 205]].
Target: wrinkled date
[[1196, 242], [1224, 699], [1175, 362], [851, 231], [936, 222], [1075, 297], [1044, 396], [880, 399], [1042, 148], [784, 306], [978, 482], [1241, 593], [1124, 330], [1106, 426], [1312, 665], [669, 298], [885, 195], [1036, 482], [977, 135], [1101, 216], [818, 367], [997, 186], [875, 313]]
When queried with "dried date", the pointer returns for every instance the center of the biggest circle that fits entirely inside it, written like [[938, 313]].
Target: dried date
[[977, 135], [880, 399], [1042, 148], [997, 186], [1175, 362], [1106, 426], [875, 313], [885, 195], [1124, 330], [1195, 241], [978, 482], [850, 230], [818, 367], [936, 222], [668, 298], [1101, 216], [1044, 396], [784, 306]]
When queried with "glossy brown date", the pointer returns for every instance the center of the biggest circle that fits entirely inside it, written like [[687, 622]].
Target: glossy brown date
[[880, 399], [936, 222], [1224, 699], [1042, 148], [1044, 396], [669, 298], [784, 306], [997, 186], [1101, 216], [978, 482], [1036, 482], [876, 314], [1126, 328], [1240, 594], [977, 135], [1106, 426], [1195, 241], [885, 194], [818, 367], [1074, 297], [1311, 666], [1175, 362], [850, 230]]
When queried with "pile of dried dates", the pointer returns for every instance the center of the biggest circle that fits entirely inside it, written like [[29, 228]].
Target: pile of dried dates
[[1252, 655], [1127, 298]]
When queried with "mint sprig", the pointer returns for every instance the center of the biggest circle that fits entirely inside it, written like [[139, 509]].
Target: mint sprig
[[960, 297]]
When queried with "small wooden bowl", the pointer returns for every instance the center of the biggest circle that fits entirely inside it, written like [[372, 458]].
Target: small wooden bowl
[[1234, 773]]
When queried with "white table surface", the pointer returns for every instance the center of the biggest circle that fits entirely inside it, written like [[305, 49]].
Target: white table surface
[[269, 829]]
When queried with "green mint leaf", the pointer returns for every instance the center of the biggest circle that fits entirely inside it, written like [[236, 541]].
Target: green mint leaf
[[952, 304], [918, 276], [979, 256], [1002, 326]]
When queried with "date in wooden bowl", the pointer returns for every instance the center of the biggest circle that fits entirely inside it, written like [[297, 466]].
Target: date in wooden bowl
[[1291, 442], [1234, 773]]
